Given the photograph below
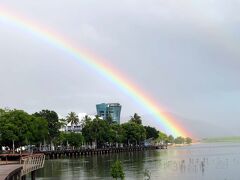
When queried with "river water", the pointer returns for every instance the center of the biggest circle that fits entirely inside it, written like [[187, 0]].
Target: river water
[[200, 161]]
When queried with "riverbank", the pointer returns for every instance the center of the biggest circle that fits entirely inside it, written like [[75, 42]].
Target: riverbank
[[92, 152]]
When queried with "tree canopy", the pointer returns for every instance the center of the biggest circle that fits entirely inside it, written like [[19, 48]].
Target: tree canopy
[[20, 128], [136, 118], [72, 118], [151, 132], [17, 126], [53, 123]]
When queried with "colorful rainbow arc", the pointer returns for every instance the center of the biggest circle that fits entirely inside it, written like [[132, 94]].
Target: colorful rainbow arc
[[169, 125]]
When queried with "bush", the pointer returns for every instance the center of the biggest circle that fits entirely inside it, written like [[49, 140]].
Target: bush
[[117, 170]]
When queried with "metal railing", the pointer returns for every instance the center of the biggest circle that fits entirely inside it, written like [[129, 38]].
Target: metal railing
[[32, 163]]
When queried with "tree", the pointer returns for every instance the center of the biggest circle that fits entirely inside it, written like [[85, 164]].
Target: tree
[[151, 132], [109, 119], [117, 170], [87, 131], [188, 140], [86, 119], [179, 140], [39, 129], [134, 133], [75, 139], [61, 140], [136, 118], [18, 128], [170, 139], [73, 119], [117, 133], [53, 123], [162, 138], [62, 122], [96, 131]]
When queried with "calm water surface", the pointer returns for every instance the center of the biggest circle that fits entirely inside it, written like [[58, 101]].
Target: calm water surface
[[201, 161]]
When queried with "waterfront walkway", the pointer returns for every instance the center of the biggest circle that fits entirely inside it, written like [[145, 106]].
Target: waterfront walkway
[[87, 152], [17, 170], [10, 171]]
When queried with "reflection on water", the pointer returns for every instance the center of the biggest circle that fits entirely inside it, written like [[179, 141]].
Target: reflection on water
[[202, 161]]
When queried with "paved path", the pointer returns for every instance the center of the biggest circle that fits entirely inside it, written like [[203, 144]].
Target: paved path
[[9, 170]]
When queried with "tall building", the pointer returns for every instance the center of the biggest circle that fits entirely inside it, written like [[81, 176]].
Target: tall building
[[105, 110]]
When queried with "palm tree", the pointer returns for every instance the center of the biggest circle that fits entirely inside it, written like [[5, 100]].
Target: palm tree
[[85, 120], [136, 118], [72, 118], [109, 119]]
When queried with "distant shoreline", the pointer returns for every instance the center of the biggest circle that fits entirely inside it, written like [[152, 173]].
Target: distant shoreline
[[232, 139]]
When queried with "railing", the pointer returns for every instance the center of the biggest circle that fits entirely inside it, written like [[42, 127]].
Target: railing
[[32, 163]]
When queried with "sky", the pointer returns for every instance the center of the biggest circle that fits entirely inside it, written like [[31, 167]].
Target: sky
[[183, 53]]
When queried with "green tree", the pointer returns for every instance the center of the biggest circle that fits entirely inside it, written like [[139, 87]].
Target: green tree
[[151, 132], [39, 130], [75, 139], [97, 131], [62, 122], [61, 140], [72, 118], [117, 133], [86, 119], [136, 118], [53, 123], [88, 132], [162, 137], [188, 140], [179, 140], [117, 170], [170, 139], [109, 119], [19, 128], [133, 133]]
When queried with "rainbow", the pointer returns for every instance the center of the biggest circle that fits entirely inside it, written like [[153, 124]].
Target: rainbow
[[168, 124]]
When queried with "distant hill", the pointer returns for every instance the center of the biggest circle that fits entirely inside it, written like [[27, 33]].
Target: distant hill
[[222, 139]]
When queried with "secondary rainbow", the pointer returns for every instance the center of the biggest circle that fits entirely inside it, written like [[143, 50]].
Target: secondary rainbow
[[168, 124]]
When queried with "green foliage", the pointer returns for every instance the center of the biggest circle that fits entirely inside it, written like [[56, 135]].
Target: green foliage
[[72, 118], [61, 139], [117, 170], [101, 132], [170, 139], [96, 130], [147, 174], [134, 133], [151, 132], [74, 139], [21, 128], [188, 140], [162, 137], [136, 118], [109, 119], [179, 140], [117, 133], [53, 123]]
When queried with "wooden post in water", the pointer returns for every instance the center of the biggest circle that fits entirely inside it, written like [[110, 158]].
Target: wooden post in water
[[33, 175]]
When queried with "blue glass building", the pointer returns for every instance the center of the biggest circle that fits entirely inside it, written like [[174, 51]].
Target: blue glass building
[[105, 110]]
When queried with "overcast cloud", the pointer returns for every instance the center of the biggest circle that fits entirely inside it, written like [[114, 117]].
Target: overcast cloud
[[184, 53]]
